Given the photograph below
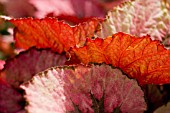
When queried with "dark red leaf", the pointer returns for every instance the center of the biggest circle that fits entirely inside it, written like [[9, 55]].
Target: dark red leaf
[[10, 99], [27, 64]]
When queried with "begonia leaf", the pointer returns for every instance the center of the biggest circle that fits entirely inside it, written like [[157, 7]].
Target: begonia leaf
[[10, 99], [51, 33], [163, 109], [27, 64], [141, 58], [76, 89], [21, 69], [83, 8], [139, 18]]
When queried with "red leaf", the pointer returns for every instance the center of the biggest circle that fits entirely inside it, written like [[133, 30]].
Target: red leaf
[[27, 64], [51, 33], [83, 89], [141, 58], [10, 99]]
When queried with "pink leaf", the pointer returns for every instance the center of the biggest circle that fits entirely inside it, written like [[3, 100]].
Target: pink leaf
[[18, 8], [83, 8], [139, 18], [83, 89]]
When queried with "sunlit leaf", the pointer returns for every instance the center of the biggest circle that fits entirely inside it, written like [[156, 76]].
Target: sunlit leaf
[[141, 58], [51, 33], [83, 89]]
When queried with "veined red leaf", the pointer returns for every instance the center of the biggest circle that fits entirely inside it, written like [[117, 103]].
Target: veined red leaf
[[141, 58], [51, 33], [83, 89]]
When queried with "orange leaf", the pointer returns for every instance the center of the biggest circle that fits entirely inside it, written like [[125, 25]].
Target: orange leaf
[[51, 33], [141, 58]]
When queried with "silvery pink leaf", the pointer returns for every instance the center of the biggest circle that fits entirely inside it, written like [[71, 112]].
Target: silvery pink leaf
[[139, 18], [83, 89]]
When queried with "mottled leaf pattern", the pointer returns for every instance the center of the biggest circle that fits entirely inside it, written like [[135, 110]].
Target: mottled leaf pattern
[[21, 69], [139, 18], [83, 89]]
